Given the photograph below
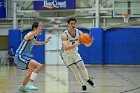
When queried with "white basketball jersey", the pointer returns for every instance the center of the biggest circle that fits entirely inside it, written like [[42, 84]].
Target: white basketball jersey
[[71, 40]]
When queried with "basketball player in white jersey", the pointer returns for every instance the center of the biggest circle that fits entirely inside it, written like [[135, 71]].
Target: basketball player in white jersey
[[24, 62], [70, 55]]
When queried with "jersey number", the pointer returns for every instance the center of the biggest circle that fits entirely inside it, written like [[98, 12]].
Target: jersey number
[[73, 43]]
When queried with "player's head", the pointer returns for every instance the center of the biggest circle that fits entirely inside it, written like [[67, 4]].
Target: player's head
[[35, 25], [72, 23]]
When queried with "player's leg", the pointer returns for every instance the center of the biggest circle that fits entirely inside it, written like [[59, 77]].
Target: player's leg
[[32, 72], [71, 65], [22, 64], [27, 77], [32, 68], [23, 87], [77, 75], [83, 69], [81, 66]]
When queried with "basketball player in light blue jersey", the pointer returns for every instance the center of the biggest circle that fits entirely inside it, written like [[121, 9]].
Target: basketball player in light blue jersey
[[70, 55], [24, 62]]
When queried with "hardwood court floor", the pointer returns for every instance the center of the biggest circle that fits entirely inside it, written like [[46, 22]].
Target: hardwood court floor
[[58, 79]]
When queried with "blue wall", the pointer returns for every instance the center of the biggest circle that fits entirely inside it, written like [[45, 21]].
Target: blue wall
[[114, 46], [13, 38], [96, 49], [122, 46], [92, 54], [84, 51], [39, 51]]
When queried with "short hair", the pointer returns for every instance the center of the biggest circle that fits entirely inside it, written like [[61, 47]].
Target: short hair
[[71, 19], [35, 24]]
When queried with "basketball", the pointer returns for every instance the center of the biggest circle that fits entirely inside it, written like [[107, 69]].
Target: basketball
[[85, 38]]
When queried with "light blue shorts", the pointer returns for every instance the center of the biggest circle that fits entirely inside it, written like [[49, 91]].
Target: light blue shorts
[[22, 61]]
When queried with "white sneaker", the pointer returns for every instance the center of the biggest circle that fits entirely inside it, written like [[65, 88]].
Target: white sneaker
[[30, 86], [22, 89]]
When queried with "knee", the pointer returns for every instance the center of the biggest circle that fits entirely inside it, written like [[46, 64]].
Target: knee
[[40, 66]]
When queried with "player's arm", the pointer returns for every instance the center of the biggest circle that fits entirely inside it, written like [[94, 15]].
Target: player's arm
[[65, 44], [31, 35], [41, 43]]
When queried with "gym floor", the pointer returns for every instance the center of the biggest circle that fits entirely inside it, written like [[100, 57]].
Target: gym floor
[[58, 79]]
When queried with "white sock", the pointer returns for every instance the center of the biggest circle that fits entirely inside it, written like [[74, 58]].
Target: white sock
[[33, 76]]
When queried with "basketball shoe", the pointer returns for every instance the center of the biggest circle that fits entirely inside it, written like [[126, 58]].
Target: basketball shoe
[[90, 83], [84, 88], [30, 86], [22, 89]]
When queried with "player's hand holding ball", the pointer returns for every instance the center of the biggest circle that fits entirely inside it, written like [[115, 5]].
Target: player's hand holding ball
[[86, 39]]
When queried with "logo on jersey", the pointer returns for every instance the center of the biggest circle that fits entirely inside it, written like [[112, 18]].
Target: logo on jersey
[[73, 40]]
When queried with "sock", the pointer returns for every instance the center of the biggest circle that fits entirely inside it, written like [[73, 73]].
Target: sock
[[33, 76]]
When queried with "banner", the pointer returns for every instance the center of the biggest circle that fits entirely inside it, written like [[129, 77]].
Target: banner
[[3, 9], [54, 4]]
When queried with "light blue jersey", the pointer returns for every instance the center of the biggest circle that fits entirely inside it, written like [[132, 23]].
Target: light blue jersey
[[25, 47], [22, 58]]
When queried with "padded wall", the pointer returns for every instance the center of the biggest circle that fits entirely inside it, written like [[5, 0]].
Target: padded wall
[[83, 51], [14, 38], [92, 54], [122, 46], [114, 46], [39, 51]]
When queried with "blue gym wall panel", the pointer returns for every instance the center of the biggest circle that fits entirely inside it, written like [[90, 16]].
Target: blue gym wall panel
[[92, 54], [84, 51], [122, 46], [96, 49], [14, 38], [38, 51]]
